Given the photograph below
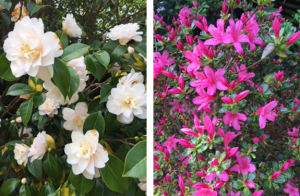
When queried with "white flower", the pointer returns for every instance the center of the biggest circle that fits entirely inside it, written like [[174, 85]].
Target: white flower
[[30, 50], [21, 154], [25, 131], [127, 102], [143, 184], [16, 13], [38, 147], [125, 32], [70, 27], [85, 154], [49, 107], [53, 92], [131, 79], [75, 118], [130, 49]]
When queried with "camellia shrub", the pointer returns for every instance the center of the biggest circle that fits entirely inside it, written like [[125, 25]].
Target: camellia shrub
[[72, 114], [226, 103]]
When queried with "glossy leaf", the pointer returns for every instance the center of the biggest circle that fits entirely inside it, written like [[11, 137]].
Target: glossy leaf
[[24, 190], [105, 92], [140, 47], [54, 168], [61, 76], [94, 66], [35, 167], [19, 89], [26, 111], [74, 51], [115, 49], [94, 121], [74, 82], [103, 57], [136, 161], [63, 38], [39, 98], [81, 184], [98, 189], [6, 4], [9, 186], [5, 70], [47, 190], [113, 123], [33, 8]]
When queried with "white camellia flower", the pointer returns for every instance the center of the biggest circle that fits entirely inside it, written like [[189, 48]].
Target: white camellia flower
[[25, 131], [16, 13], [125, 32], [70, 27], [143, 184], [38, 147], [127, 102], [131, 79], [75, 118], [85, 154], [49, 107], [30, 50], [21, 154], [53, 92]]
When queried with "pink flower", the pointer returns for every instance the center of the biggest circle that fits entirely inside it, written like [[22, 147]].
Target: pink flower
[[163, 59], [275, 175], [256, 140], [233, 119], [203, 26], [258, 193], [292, 191], [250, 184], [294, 132], [276, 27], [244, 76], [171, 143], [181, 184], [203, 99], [211, 80], [218, 184], [264, 113], [185, 143], [217, 34], [206, 192], [233, 35], [156, 166], [234, 194], [293, 39], [279, 76], [195, 4], [253, 39], [209, 126], [239, 97], [243, 165], [228, 137]]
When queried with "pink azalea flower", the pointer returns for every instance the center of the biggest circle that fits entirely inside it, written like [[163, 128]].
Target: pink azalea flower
[[239, 97], [203, 99], [181, 184], [253, 39], [217, 34], [258, 193], [276, 27], [275, 175], [234, 194], [163, 59], [211, 80], [233, 119], [279, 76], [264, 113], [243, 165], [210, 126], [292, 191], [211, 176], [185, 143], [171, 143], [243, 76], [203, 26], [293, 39], [206, 192], [233, 35], [250, 184], [228, 137], [294, 132]]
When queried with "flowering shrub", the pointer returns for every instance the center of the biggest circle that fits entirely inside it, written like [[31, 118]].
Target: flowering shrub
[[72, 113], [226, 103]]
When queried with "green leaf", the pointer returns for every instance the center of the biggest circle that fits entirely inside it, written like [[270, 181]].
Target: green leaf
[[41, 121], [6, 18], [136, 61], [105, 92], [112, 175], [74, 82], [19, 89], [140, 47], [33, 190], [74, 51], [39, 98], [33, 8], [103, 57], [6, 4], [9, 186], [5, 70], [122, 152], [61, 76], [115, 49], [94, 121], [35, 167], [26, 111], [54, 168], [136, 161], [81, 184], [251, 176], [94, 66], [63, 38], [24, 190], [280, 179], [98, 189], [268, 50], [113, 123], [47, 190]]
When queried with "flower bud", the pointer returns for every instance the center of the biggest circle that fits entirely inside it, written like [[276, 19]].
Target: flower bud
[[38, 2], [19, 119], [50, 141], [130, 49], [24, 181], [250, 184]]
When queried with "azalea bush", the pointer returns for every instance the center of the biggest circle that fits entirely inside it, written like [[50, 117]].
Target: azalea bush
[[72, 104], [226, 103]]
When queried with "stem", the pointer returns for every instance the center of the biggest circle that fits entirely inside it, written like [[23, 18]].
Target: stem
[[119, 140], [10, 106]]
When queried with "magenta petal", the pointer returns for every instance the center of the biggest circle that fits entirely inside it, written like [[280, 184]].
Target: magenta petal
[[238, 47], [262, 122], [212, 42], [224, 176]]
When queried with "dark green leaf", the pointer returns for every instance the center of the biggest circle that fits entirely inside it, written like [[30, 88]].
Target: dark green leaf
[[26, 111], [122, 152], [115, 50], [9, 186], [6, 4], [105, 92], [5, 18], [98, 189], [81, 184], [113, 123], [54, 168], [74, 51], [33, 190], [35, 167], [103, 57], [61, 76], [19, 89], [39, 98], [47, 190], [112, 175], [5, 70], [74, 82], [140, 47], [136, 61], [280, 179], [42, 121], [24, 190], [33, 8], [94, 121], [63, 38], [94, 66]]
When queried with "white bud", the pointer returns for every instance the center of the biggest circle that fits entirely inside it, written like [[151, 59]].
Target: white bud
[[19, 120], [24, 181], [130, 49], [38, 2]]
